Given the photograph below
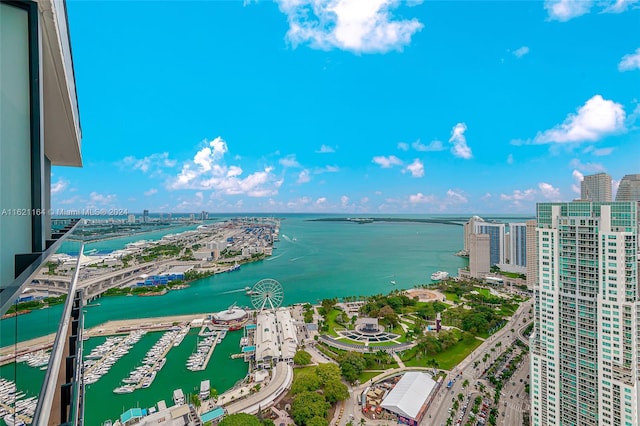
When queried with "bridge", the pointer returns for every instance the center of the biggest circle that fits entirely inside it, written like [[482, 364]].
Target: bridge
[[95, 286]]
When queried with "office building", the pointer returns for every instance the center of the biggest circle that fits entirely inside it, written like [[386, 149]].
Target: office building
[[496, 240], [596, 188], [145, 216], [629, 188], [584, 349], [131, 219], [479, 255], [470, 228]]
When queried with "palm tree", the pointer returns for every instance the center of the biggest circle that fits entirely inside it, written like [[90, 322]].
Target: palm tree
[[363, 422], [195, 400], [465, 384]]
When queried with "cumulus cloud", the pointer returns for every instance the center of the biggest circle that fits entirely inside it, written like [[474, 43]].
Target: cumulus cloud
[[326, 169], [356, 26], [208, 171], [587, 167], [630, 62], [518, 195], [460, 148], [416, 168], [434, 145], [510, 159], [598, 152], [403, 146], [387, 162], [577, 177], [454, 197], [153, 164], [96, 199], [289, 161], [59, 186], [521, 51], [151, 192], [325, 149], [420, 198], [321, 201], [304, 176], [597, 118], [549, 192], [564, 10]]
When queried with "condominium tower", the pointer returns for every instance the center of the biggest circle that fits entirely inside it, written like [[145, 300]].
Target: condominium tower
[[629, 189], [496, 239], [584, 349], [596, 188]]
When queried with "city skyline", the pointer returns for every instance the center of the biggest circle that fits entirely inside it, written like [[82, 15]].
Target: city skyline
[[386, 108]]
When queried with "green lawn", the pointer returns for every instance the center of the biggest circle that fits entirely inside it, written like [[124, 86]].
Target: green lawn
[[483, 291], [452, 297], [383, 344], [452, 356], [367, 375], [303, 371], [447, 359], [331, 321]]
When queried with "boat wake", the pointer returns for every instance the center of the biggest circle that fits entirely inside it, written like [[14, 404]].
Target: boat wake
[[233, 291], [293, 259], [269, 259]]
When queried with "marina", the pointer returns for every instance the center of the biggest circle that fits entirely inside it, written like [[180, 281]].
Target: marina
[[100, 360], [15, 407]]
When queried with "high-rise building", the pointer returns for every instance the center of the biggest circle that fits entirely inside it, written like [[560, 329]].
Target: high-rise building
[[479, 255], [532, 253], [596, 188], [131, 218], [145, 216], [584, 349], [629, 188], [496, 238], [515, 248], [470, 228]]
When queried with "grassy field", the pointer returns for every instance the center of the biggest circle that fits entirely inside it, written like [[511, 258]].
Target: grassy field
[[303, 371], [449, 358], [367, 375], [452, 297], [331, 322], [483, 291]]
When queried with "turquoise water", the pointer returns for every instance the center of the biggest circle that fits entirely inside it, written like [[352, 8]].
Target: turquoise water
[[312, 261]]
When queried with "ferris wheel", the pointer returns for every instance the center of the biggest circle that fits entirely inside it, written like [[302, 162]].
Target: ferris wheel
[[267, 294]]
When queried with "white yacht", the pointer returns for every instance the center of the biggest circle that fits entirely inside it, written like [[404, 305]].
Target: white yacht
[[440, 275]]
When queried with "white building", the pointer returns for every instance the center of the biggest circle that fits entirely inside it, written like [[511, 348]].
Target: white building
[[584, 349], [276, 338], [408, 398]]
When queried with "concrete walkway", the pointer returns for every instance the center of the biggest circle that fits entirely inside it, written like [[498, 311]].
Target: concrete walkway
[[279, 383]]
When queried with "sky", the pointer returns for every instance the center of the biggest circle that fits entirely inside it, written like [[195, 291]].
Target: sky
[[350, 106]]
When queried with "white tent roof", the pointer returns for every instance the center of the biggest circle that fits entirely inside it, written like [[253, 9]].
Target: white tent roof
[[409, 394]]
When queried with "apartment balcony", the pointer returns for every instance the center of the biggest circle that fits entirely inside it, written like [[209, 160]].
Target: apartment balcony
[[60, 395]]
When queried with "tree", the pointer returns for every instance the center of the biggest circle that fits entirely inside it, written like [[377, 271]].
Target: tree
[[308, 405], [317, 421], [302, 358], [240, 419], [351, 365], [335, 390], [308, 382], [195, 400], [213, 393], [327, 372]]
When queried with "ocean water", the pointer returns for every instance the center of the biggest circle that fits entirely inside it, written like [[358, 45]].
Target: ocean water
[[313, 260]]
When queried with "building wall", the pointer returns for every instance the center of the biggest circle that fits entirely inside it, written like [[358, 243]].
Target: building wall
[[584, 354], [596, 188], [629, 189], [496, 246], [479, 255], [532, 254]]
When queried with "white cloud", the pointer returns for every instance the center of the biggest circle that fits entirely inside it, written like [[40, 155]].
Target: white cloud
[[207, 171], [460, 148], [321, 201], [420, 198], [594, 120], [153, 163], [356, 26], [454, 197], [403, 146], [521, 51], [304, 176], [549, 192], [97, 199], [510, 159], [434, 145], [518, 195], [387, 162], [601, 152], [577, 177], [59, 186], [564, 10], [630, 62], [325, 149], [587, 167], [486, 196], [615, 184], [344, 202], [326, 169], [619, 6], [299, 203], [151, 192], [416, 168], [289, 161]]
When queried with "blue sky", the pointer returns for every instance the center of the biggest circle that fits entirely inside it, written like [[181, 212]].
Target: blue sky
[[363, 106]]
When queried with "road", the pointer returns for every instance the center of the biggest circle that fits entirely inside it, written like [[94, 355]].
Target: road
[[514, 399], [438, 412]]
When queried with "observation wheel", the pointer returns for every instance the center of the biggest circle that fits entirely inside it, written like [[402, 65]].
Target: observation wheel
[[267, 294]]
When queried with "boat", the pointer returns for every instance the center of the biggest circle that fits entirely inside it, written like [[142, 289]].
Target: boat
[[439, 275], [13, 420], [124, 389], [234, 267], [178, 397]]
